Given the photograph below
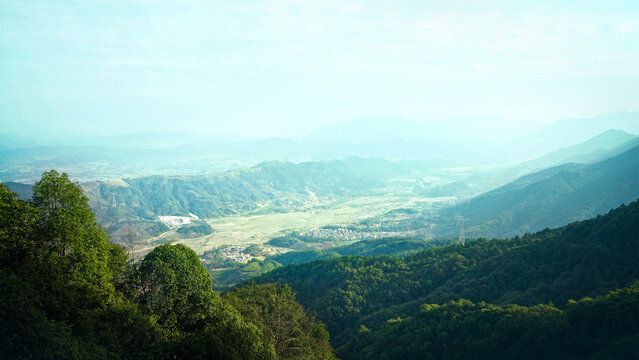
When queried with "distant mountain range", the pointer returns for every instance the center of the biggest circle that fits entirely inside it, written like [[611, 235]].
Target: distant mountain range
[[494, 134], [85, 163], [553, 196], [600, 147], [455, 142], [569, 132], [146, 140], [134, 204], [277, 186], [459, 129]]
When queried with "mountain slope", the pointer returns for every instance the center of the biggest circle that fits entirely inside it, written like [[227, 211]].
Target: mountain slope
[[602, 328], [568, 132], [25, 191], [550, 198], [585, 152], [66, 292], [280, 186], [134, 204], [587, 258]]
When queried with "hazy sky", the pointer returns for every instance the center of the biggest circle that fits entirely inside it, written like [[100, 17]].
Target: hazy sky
[[264, 68]]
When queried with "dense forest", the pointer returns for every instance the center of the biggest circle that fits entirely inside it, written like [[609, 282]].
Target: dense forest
[[360, 294], [386, 246], [226, 272], [602, 328], [66, 292]]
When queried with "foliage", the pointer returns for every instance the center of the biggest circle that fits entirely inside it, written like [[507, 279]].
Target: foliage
[[58, 288], [72, 237], [604, 328], [66, 292], [588, 258], [385, 246], [171, 286], [197, 228], [238, 272], [282, 321], [226, 272]]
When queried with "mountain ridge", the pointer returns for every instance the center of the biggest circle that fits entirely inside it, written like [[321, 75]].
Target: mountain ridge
[[586, 258], [551, 197]]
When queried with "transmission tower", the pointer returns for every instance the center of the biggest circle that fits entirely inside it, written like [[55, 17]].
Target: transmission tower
[[128, 238], [461, 239], [113, 202]]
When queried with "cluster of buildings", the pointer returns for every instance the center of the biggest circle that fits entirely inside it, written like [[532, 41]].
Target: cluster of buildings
[[339, 233], [235, 253]]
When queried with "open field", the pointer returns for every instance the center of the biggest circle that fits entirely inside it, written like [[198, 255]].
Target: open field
[[257, 229]]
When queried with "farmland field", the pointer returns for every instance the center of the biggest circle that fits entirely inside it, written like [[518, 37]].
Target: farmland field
[[259, 228]]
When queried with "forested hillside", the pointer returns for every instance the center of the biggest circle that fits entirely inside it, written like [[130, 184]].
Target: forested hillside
[[550, 198], [226, 272], [385, 246], [66, 292], [319, 180], [277, 185], [355, 294], [601, 328]]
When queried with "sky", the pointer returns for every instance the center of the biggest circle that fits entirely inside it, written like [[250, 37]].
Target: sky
[[284, 68]]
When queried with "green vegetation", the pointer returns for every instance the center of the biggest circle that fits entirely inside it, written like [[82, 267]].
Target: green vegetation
[[385, 246], [282, 321], [255, 228], [548, 198], [238, 272], [552, 197], [66, 292], [227, 272], [602, 328], [388, 198], [197, 228], [359, 294], [285, 186], [24, 191]]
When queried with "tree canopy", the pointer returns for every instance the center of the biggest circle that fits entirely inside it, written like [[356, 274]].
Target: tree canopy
[[66, 292], [587, 258]]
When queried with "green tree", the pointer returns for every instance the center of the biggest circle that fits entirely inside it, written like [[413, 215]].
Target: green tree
[[273, 309], [17, 221], [176, 291], [172, 284], [68, 231], [57, 296]]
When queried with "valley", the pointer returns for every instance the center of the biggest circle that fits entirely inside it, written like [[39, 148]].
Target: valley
[[259, 228], [389, 232], [338, 202], [319, 180]]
